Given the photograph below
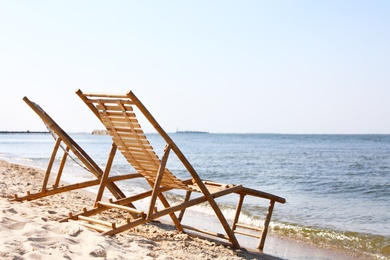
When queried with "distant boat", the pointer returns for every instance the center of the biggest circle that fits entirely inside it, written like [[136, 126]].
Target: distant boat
[[191, 132]]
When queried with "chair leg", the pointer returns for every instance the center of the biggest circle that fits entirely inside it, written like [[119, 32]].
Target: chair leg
[[103, 180], [50, 165], [173, 216], [157, 183], [223, 221], [238, 211], [187, 198], [266, 224], [61, 168]]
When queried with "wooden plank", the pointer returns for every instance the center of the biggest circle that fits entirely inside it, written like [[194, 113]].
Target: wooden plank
[[248, 227], [125, 227], [146, 155], [261, 194], [196, 201], [103, 96], [57, 190], [133, 142], [129, 135], [123, 177], [246, 234], [119, 124], [117, 114], [124, 130], [142, 157], [97, 221], [121, 207], [113, 107], [135, 150], [97, 228], [219, 235]]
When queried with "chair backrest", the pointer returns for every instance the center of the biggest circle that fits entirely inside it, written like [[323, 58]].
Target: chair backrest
[[58, 132], [117, 114]]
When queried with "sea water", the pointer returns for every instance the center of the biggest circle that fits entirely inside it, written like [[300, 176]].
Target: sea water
[[337, 187]]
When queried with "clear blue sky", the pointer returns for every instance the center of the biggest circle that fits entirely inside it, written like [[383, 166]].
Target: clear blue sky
[[220, 66]]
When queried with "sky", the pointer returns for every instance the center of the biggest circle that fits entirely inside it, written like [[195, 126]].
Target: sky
[[297, 67]]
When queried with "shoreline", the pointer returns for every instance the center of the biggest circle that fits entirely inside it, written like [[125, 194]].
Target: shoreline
[[161, 236]]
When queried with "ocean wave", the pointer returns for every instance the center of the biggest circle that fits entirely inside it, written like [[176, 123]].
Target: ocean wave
[[361, 244], [364, 245]]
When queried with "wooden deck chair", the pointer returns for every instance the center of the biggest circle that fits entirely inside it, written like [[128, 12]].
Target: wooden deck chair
[[70, 148], [116, 112]]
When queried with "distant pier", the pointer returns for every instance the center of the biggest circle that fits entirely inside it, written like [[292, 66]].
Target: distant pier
[[24, 132], [191, 132]]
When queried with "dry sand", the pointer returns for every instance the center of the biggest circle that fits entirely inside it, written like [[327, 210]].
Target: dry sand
[[30, 229]]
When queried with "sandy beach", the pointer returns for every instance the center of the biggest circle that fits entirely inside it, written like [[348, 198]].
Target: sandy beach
[[30, 230]]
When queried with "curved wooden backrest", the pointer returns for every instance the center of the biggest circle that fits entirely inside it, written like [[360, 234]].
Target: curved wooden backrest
[[118, 116], [57, 132]]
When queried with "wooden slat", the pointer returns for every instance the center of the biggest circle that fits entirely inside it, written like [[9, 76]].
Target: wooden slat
[[97, 221], [133, 148], [130, 142], [116, 206], [57, 190], [248, 227], [141, 156], [261, 194], [114, 114], [105, 95], [119, 116], [206, 232], [130, 136], [144, 160], [127, 226], [125, 129], [124, 124], [124, 177], [246, 234], [95, 227], [113, 107], [136, 150]]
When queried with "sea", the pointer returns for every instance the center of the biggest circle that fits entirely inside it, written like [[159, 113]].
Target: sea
[[337, 187]]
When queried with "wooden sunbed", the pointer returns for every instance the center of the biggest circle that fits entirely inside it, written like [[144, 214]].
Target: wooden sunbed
[[70, 149], [117, 113]]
